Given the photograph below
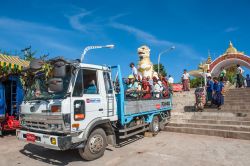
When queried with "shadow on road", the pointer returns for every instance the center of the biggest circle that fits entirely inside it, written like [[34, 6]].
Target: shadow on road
[[8, 133], [55, 157], [49, 156]]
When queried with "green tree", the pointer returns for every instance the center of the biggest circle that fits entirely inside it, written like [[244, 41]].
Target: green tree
[[231, 73], [196, 82], [162, 69], [28, 53]]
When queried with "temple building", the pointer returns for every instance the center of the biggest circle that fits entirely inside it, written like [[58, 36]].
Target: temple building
[[230, 58]]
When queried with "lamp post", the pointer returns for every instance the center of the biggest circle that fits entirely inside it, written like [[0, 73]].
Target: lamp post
[[86, 49], [159, 56]]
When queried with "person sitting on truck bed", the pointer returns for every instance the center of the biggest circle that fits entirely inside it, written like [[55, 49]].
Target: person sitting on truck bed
[[157, 88], [165, 86], [132, 87], [146, 89], [91, 88]]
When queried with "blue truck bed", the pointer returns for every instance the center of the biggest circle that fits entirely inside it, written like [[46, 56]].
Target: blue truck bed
[[129, 109]]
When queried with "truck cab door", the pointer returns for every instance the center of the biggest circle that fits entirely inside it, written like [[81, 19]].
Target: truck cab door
[[87, 103]]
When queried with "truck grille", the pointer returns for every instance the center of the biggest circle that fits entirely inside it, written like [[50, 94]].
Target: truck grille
[[52, 123], [36, 125]]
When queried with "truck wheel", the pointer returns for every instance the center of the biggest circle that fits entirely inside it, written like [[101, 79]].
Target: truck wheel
[[154, 126], [162, 124], [95, 146]]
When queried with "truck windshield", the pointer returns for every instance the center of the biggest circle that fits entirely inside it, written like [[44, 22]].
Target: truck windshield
[[39, 87]]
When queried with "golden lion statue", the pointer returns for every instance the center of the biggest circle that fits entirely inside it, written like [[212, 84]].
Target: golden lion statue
[[145, 66]]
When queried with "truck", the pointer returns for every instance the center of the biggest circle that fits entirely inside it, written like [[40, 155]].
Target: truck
[[84, 106]]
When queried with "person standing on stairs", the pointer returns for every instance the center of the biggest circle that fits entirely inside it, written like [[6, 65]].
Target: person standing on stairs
[[185, 80], [209, 87], [239, 77], [218, 98], [248, 81]]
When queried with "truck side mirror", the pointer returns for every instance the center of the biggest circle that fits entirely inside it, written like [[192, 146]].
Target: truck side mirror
[[56, 84], [59, 69]]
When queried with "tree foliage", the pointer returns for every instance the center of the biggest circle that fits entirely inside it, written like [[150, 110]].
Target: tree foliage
[[231, 73], [28, 53], [162, 69], [196, 82]]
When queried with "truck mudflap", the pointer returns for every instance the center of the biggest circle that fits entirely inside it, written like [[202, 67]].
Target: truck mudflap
[[45, 140]]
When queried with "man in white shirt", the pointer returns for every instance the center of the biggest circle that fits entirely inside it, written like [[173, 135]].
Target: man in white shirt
[[185, 80], [157, 89], [208, 74], [170, 79], [134, 70]]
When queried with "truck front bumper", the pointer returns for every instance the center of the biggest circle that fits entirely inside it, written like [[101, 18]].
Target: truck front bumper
[[45, 140]]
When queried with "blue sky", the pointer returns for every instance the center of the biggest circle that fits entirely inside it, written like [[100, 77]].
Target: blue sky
[[64, 28]]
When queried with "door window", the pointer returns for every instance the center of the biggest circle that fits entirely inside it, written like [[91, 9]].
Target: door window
[[86, 83], [78, 89], [108, 83]]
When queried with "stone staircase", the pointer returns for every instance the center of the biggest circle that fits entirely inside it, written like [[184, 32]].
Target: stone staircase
[[233, 121], [184, 101], [237, 101]]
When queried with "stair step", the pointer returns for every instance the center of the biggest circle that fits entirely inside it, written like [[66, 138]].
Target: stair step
[[211, 126], [211, 121], [210, 132], [233, 118]]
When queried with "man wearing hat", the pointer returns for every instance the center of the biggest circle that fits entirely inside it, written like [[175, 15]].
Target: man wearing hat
[[132, 87]]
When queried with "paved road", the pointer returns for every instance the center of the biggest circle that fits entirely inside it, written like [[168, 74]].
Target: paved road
[[164, 149]]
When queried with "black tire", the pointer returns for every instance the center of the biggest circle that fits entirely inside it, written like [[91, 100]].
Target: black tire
[[154, 126], [162, 124], [95, 146]]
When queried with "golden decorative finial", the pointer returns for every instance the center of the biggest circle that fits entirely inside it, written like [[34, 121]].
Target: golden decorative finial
[[230, 44], [209, 59], [231, 49]]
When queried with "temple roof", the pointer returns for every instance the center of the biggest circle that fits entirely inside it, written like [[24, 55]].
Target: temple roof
[[12, 62]]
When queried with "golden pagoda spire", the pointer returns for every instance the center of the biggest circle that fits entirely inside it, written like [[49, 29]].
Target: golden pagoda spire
[[209, 59], [231, 49]]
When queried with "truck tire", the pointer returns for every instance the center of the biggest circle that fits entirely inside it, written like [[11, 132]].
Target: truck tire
[[95, 146], [154, 126], [162, 124]]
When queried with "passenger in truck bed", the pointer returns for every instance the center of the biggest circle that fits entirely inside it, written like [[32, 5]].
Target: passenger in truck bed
[[146, 89], [132, 87]]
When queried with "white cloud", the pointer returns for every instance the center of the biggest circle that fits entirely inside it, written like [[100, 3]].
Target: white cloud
[[139, 34], [182, 49], [231, 29], [75, 21], [21, 33]]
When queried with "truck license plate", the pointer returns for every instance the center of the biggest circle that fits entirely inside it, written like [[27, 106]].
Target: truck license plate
[[30, 137]]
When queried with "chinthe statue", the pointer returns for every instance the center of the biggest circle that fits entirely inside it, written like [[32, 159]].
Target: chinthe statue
[[145, 66]]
